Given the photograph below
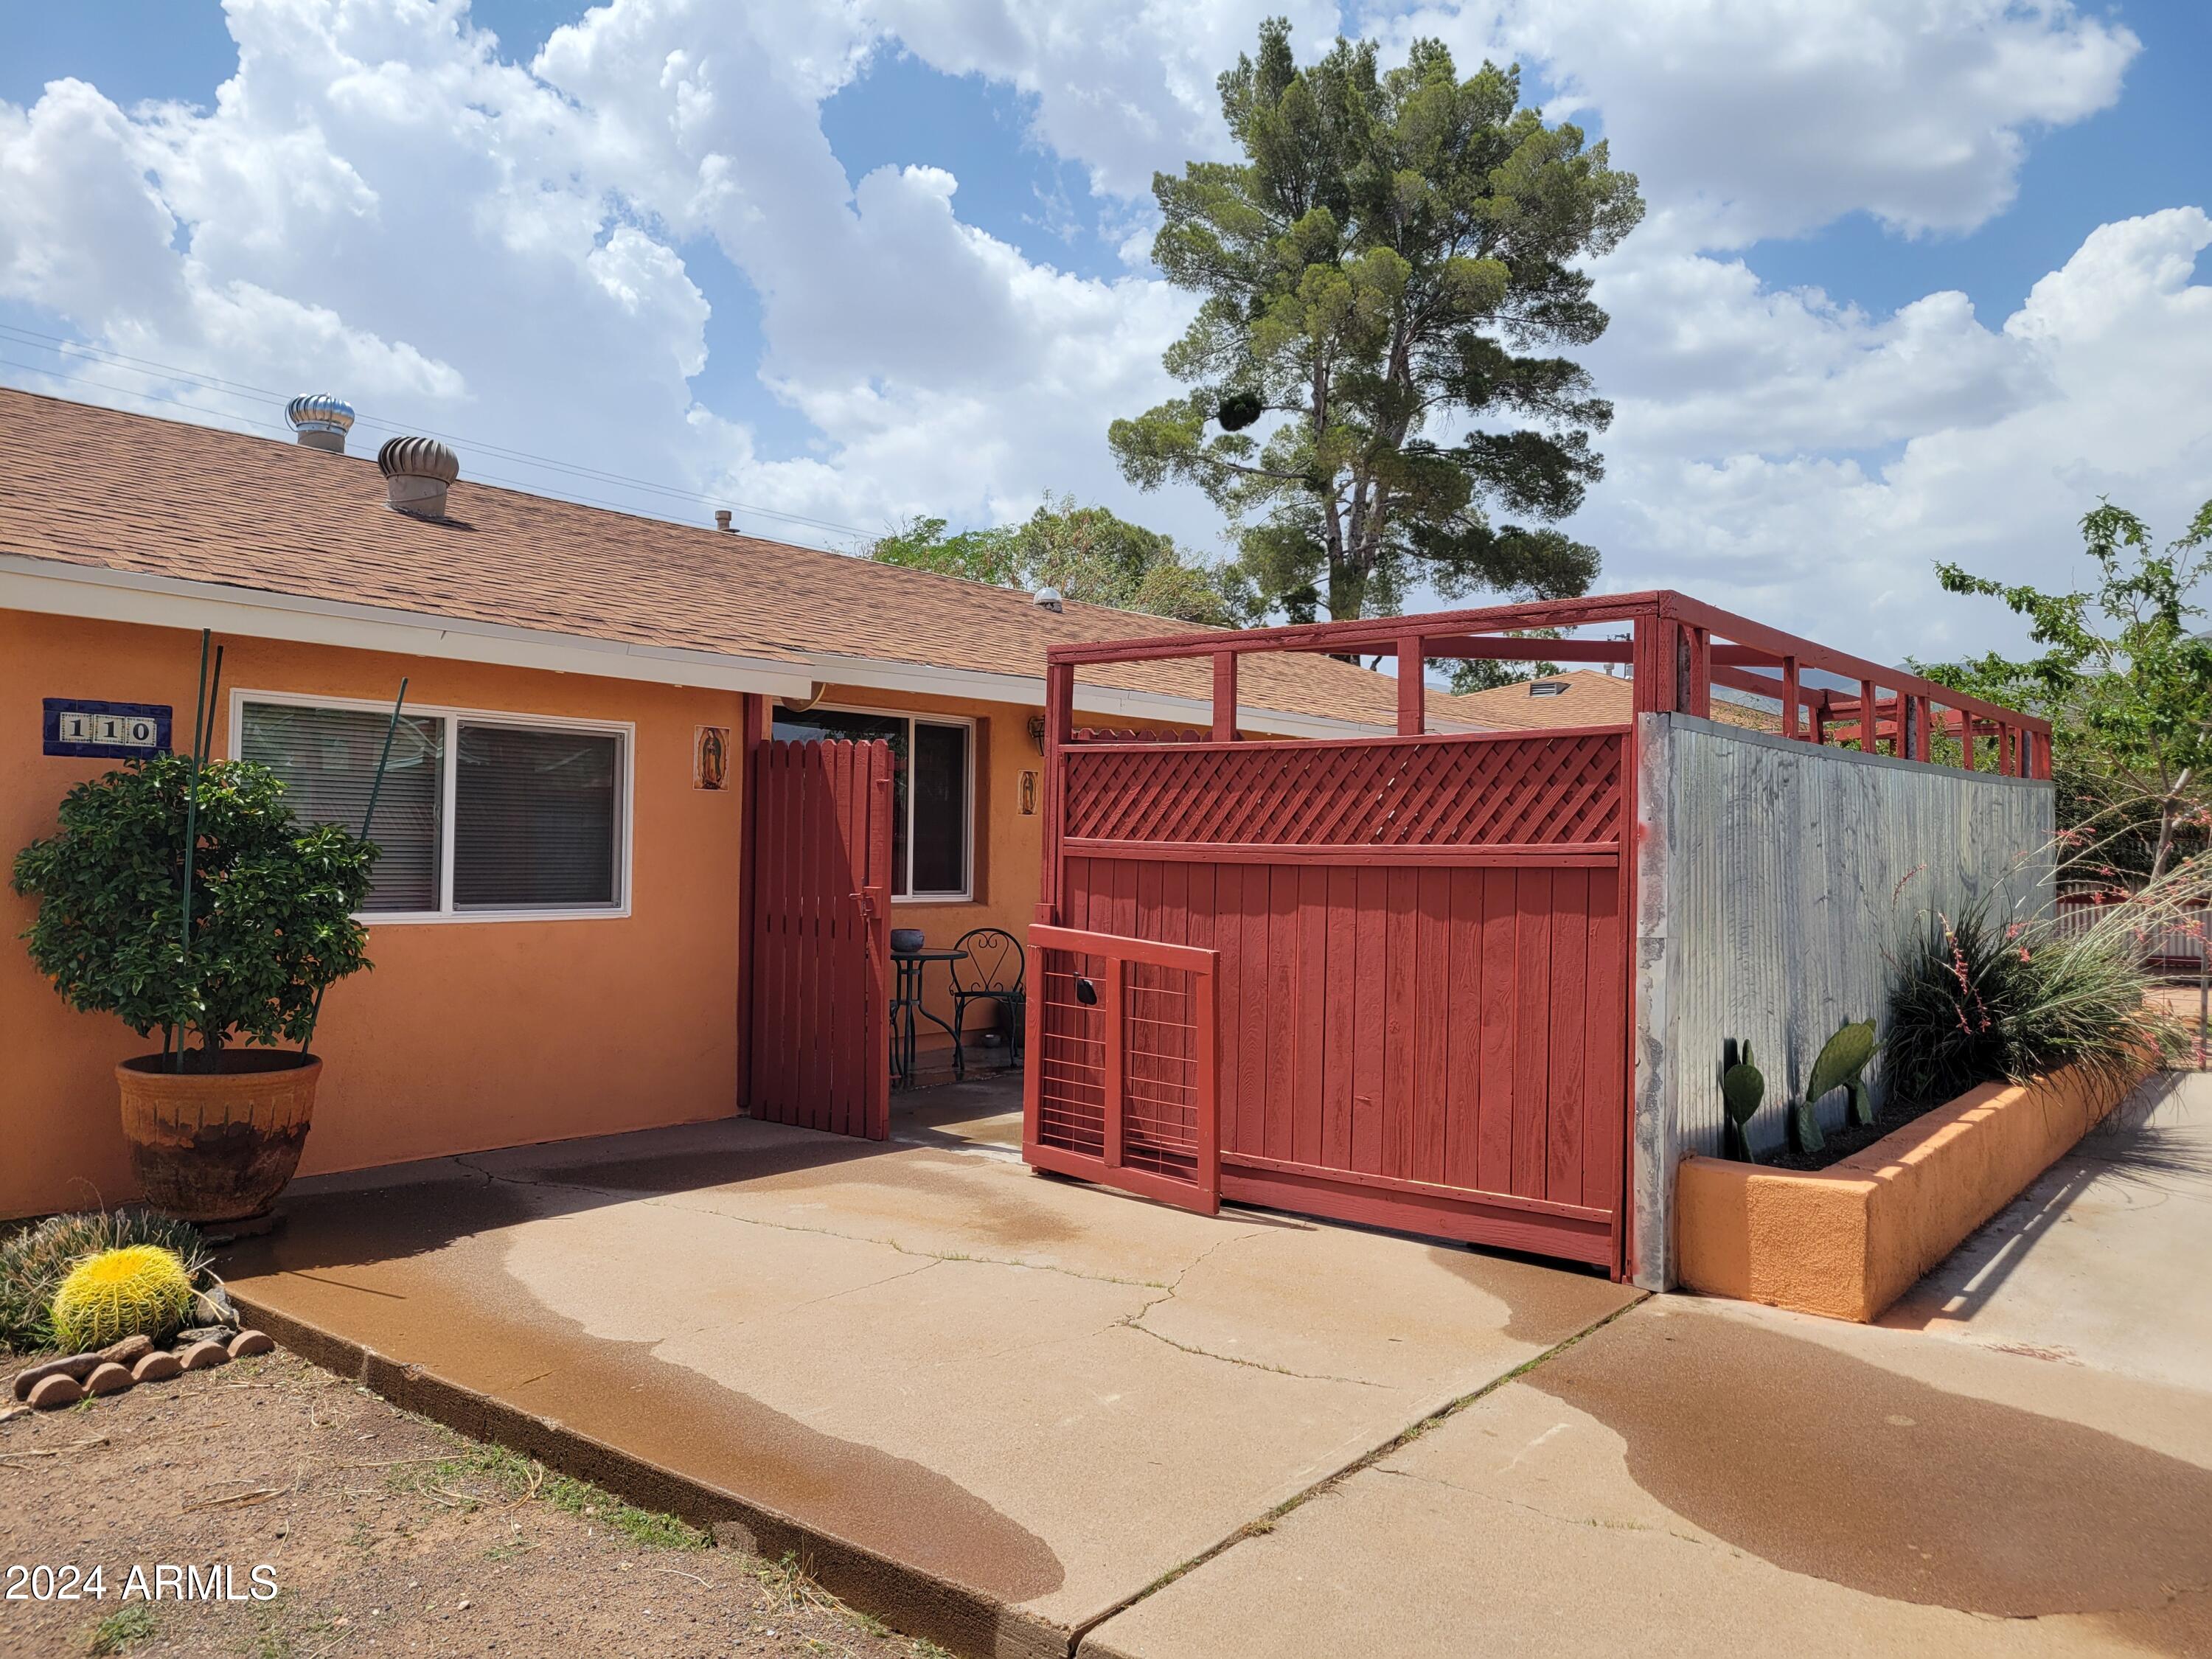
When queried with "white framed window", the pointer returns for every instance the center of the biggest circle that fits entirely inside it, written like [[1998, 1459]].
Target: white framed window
[[483, 815], [933, 792]]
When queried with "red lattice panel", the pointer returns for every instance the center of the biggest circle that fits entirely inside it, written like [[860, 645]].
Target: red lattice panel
[[1536, 791]]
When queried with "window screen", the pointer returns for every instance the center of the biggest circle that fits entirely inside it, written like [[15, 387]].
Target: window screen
[[327, 759], [535, 818]]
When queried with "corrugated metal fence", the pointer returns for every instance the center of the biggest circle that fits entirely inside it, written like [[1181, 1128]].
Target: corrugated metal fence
[[1777, 880]]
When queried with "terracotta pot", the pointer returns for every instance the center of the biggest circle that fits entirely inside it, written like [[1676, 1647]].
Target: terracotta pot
[[217, 1143]]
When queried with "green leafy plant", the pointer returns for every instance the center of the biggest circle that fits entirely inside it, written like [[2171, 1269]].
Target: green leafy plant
[[1841, 1064], [1089, 555], [122, 1630], [35, 1258], [271, 908], [1742, 1088], [2125, 676]]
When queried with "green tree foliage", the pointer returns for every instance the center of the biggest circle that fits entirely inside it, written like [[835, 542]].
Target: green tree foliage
[[273, 903], [1091, 555], [1488, 673], [1378, 271], [2124, 676]]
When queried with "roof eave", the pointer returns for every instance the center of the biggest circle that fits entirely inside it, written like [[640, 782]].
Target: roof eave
[[56, 587]]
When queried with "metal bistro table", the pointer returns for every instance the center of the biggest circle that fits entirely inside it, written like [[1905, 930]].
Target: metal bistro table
[[906, 1002]]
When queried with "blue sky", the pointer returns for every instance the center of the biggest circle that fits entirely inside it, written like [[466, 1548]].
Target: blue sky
[[2151, 149], [917, 283]]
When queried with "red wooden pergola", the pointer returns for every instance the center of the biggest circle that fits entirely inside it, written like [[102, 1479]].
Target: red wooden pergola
[[1678, 650], [1386, 978]]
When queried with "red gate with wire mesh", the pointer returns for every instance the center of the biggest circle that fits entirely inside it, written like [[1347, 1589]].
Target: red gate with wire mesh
[[1422, 938], [1123, 1068], [1421, 966]]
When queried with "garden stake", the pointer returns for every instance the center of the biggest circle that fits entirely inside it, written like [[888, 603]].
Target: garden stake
[[213, 697], [368, 817], [192, 824]]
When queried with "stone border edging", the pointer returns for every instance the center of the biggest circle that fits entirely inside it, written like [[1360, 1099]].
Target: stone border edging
[[916, 1602], [1847, 1241]]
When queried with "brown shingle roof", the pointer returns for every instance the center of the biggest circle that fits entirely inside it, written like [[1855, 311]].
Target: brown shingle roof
[[1588, 697], [97, 487]]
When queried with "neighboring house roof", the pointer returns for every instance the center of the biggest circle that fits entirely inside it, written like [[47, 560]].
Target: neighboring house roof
[[103, 491], [1583, 696]]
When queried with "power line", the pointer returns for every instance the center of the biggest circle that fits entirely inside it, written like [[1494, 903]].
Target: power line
[[64, 347], [133, 391], [516, 484]]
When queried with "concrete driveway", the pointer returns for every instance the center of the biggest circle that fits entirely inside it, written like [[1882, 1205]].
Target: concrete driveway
[[2019, 1463], [991, 1406]]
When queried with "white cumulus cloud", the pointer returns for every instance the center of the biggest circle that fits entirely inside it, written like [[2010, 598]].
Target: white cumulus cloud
[[383, 202]]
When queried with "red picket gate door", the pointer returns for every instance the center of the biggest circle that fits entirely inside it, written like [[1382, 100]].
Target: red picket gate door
[[1122, 1080], [820, 1048]]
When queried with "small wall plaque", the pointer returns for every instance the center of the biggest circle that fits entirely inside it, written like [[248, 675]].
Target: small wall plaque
[[710, 758], [122, 731]]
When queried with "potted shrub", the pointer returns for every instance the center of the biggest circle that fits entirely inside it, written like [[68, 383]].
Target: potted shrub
[[215, 1125]]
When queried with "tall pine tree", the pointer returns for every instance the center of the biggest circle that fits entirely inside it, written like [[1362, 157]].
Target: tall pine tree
[[1379, 272]]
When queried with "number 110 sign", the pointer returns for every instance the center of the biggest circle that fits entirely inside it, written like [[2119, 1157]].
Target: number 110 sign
[[74, 725]]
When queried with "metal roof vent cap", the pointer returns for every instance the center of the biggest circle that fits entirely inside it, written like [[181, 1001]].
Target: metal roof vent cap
[[321, 421], [417, 471], [1047, 598]]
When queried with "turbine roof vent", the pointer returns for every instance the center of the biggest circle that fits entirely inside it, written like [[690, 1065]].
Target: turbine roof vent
[[416, 473], [321, 421]]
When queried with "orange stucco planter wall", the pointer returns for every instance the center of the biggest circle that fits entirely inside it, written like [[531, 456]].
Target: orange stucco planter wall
[[1848, 1240], [467, 1035]]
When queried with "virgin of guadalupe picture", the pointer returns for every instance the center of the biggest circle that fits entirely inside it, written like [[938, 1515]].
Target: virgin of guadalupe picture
[[710, 758]]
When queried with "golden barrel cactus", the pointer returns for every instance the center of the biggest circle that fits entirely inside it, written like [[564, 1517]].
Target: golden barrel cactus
[[141, 1290]]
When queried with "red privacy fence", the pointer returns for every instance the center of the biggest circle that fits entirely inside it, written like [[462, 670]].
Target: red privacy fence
[[1417, 942], [1366, 901]]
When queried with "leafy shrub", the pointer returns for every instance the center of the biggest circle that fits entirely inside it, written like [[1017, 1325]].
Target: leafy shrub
[[35, 1258], [273, 903], [141, 1290], [1980, 1000]]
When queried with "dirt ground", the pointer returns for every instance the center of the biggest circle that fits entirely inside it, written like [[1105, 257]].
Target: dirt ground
[[383, 1532]]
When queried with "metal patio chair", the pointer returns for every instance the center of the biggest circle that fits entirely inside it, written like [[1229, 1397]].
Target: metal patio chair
[[990, 972]]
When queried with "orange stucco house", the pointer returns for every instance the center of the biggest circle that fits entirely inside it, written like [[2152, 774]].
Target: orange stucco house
[[549, 961]]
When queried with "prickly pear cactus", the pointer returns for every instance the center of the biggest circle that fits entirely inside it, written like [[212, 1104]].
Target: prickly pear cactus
[[141, 1290], [1742, 1088], [1841, 1059], [1862, 1103], [1805, 1134], [1838, 1066]]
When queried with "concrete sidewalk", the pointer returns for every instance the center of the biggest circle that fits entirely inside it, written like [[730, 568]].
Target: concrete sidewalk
[[2020, 1464], [990, 1407]]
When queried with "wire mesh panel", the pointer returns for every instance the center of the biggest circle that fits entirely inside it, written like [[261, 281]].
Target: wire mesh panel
[[1121, 1084]]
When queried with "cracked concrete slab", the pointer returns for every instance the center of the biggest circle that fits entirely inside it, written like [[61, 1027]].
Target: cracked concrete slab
[[1694, 1472], [1036, 1396]]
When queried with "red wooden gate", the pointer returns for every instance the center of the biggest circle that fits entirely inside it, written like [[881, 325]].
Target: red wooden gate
[[1422, 966], [820, 1047], [1122, 1065]]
